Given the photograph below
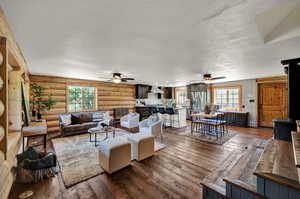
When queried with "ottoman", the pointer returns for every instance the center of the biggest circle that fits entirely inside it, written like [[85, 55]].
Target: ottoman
[[142, 145], [114, 154]]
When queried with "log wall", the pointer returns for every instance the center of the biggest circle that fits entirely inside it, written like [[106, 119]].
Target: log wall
[[109, 96], [10, 108]]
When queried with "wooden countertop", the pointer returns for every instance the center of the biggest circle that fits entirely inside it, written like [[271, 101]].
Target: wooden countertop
[[296, 147], [277, 164]]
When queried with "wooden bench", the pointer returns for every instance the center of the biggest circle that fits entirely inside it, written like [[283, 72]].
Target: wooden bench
[[277, 174], [296, 148], [237, 189]]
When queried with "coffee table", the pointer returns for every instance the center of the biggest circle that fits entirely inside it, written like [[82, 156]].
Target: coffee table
[[106, 130]]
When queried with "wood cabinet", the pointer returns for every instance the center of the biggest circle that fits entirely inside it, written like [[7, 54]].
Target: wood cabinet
[[142, 91], [168, 92], [144, 112], [236, 118]]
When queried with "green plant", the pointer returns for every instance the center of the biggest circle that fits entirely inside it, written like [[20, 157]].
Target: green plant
[[39, 100]]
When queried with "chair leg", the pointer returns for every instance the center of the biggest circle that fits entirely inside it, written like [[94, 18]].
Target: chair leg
[[226, 128], [23, 143]]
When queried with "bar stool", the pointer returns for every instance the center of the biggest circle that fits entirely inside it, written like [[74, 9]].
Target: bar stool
[[162, 112], [172, 113], [154, 111]]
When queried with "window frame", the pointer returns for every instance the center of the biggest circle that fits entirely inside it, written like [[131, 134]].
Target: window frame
[[180, 89], [240, 94], [81, 86]]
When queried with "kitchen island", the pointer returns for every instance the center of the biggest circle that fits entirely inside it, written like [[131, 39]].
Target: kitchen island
[[179, 119]]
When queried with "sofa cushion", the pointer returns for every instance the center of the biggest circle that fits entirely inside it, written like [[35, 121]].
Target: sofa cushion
[[66, 119], [97, 115], [89, 125], [75, 118], [74, 127], [101, 115], [86, 117], [137, 137]]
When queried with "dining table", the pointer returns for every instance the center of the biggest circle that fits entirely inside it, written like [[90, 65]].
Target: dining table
[[205, 115]]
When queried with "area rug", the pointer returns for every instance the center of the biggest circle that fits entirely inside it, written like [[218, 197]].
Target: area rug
[[210, 138], [78, 157]]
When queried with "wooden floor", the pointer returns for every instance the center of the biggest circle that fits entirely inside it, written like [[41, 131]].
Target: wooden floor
[[174, 172]]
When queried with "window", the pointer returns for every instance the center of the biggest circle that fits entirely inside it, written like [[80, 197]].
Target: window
[[228, 98], [81, 98], [181, 96]]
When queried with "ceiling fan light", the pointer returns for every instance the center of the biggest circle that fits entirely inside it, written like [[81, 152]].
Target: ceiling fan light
[[207, 81], [116, 80]]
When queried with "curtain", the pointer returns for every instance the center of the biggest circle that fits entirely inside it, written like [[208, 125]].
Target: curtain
[[199, 96]]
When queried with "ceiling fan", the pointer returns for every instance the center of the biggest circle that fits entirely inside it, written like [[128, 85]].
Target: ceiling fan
[[207, 78], [117, 78]]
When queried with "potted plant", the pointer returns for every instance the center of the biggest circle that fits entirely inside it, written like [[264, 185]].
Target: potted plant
[[39, 102], [37, 93]]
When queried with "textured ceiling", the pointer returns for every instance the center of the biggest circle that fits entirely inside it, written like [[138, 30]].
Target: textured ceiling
[[166, 42]]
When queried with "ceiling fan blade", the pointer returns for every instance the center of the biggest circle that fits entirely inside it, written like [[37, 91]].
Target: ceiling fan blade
[[127, 78], [195, 81], [123, 80], [215, 78], [104, 78]]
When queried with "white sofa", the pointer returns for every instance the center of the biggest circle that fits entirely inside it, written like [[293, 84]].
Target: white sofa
[[131, 120], [153, 126]]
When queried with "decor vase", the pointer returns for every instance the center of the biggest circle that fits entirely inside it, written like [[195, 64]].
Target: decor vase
[[33, 113], [39, 116]]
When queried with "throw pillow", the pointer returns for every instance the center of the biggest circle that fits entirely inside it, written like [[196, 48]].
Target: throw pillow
[[97, 115], [75, 118], [66, 119], [86, 117]]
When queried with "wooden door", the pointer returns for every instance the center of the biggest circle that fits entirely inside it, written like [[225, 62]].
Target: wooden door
[[272, 103]]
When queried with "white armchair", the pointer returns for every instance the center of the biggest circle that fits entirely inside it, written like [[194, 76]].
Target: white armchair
[[152, 126], [131, 120]]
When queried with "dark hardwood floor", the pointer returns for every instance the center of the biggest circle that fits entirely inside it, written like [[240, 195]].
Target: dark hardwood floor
[[174, 172]]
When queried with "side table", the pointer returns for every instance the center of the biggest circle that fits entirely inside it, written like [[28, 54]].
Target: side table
[[35, 129]]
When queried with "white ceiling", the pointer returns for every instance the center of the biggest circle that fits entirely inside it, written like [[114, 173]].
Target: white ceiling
[[166, 42]]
